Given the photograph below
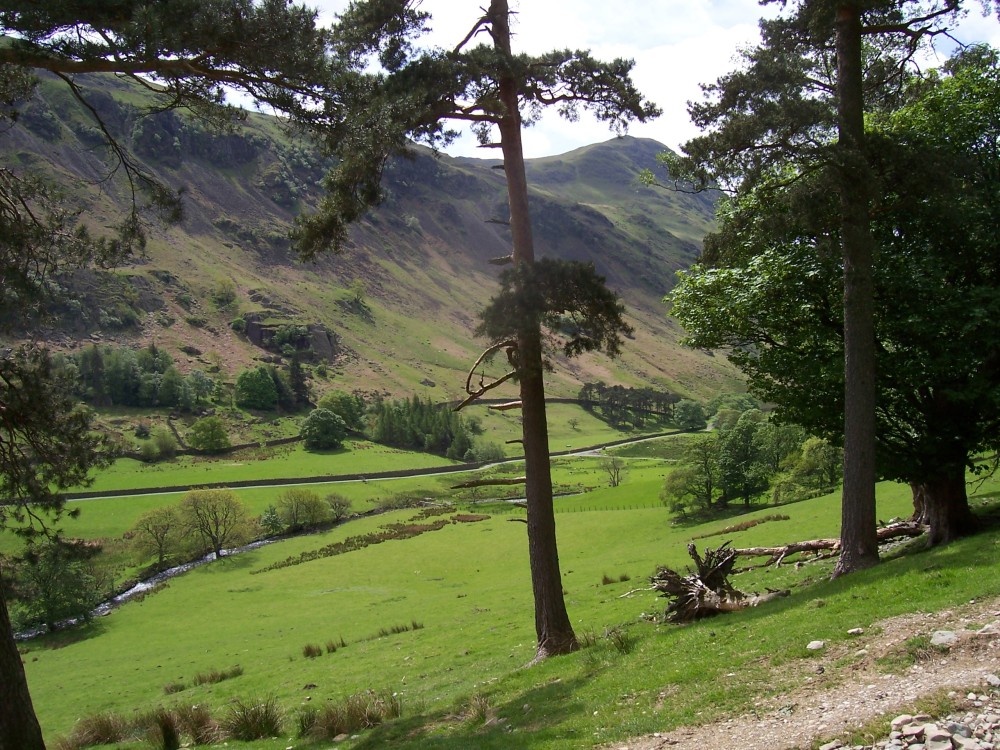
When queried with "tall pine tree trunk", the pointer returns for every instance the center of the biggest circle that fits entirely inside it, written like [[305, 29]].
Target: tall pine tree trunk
[[859, 545], [19, 728], [552, 626]]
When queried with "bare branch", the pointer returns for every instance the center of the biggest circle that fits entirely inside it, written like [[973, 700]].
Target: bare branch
[[479, 26], [483, 386]]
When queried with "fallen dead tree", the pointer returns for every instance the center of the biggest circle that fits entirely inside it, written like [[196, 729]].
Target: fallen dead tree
[[777, 555], [706, 591]]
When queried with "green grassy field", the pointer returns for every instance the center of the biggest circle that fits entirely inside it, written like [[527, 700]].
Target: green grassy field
[[286, 462], [467, 585]]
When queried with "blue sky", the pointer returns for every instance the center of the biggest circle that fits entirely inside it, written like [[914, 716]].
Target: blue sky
[[676, 45]]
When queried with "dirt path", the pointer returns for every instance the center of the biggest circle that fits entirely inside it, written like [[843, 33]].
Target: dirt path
[[845, 688]]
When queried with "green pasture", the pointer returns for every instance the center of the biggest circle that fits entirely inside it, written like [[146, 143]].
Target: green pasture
[[467, 585], [580, 482], [284, 462], [586, 429]]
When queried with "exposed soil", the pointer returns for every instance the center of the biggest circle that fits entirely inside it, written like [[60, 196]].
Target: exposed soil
[[845, 688]]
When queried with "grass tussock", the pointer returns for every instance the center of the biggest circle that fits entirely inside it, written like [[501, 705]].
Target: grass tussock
[[359, 711], [397, 629], [174, 687], [332, 645], [105, 728], [217, 675], [912, 651], [478, 709], [312, 651], [198, 723], [253, 719]]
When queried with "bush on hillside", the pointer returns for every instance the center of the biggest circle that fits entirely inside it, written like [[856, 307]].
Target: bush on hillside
[[255, 389], [209, 435], [323, 430]]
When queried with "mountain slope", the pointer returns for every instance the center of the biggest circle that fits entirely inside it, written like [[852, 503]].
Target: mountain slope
[[401, 302]]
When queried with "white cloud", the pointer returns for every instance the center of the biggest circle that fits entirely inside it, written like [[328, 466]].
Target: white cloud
[[676, 44]]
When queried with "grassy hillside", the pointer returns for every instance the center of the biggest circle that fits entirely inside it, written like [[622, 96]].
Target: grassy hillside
[[460, 599], [402, 301]]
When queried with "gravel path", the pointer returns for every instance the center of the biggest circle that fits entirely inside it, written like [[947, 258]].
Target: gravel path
[[833, 700]]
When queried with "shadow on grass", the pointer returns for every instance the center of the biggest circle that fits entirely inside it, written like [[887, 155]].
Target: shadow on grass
[[228, 563], [63, 638], [541, 713]]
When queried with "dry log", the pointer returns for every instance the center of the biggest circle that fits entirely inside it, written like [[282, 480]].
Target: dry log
[[778, 554]]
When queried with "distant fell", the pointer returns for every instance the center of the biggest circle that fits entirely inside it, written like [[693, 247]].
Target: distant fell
[[395, 312]]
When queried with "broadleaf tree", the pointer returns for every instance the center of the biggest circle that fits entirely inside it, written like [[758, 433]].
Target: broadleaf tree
[[797, 107], [183, 52], [771, 295], [418, 94]]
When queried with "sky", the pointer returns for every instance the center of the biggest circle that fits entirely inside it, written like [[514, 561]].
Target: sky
[[676, 45]]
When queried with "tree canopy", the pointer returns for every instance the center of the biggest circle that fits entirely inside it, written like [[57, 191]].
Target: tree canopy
[[772, 297], [796, 110]]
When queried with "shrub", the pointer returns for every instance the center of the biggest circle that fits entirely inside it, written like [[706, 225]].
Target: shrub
[[148, 453], [223, 294], [348, 406], [340, 507], [255, 389], [323, 430], [302, 509], [208, 435], [489, 452], [270, 521], [253, 719], [165, 442]]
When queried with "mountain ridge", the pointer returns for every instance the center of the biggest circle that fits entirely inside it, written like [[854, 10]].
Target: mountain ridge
[[401, 301]]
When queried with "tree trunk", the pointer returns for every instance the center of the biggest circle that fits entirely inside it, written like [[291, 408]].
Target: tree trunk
[[946, 507], [919, 492], [859, 547], [19, 728], [552, 625]]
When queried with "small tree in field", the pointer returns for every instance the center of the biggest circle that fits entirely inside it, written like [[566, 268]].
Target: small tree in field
[[613, 466], [340, 507], [157, 532], [690, 415], [302, 509], [218, 517], [55, 583], [323, 430]]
